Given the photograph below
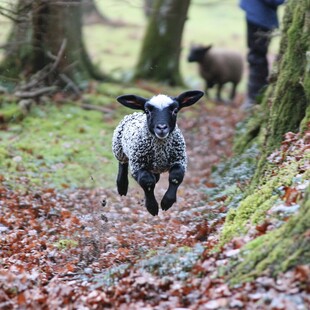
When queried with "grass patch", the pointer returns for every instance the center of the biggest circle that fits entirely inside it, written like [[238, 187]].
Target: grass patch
[[66, 244], [59, 146], [63, 145]]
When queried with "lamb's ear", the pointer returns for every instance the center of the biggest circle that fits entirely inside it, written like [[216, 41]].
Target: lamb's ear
[[188, 98], [132, 101]]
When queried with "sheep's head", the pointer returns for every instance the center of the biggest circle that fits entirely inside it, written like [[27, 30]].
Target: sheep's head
[[197, 53], [161, 110]]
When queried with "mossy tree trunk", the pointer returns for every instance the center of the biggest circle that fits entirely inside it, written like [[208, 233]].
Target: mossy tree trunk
[[292, 88], [160, 54], [288, 97], [285, 108], [37, 41]]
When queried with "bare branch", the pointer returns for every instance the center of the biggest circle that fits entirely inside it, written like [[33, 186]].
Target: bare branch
[[17, 15], [2, 8], [9, 16], [70, 83], [66, 3], [59, 54], [35, 93], [48, 69]]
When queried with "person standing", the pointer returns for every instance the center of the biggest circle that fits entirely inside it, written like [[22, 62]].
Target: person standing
[[261, 19]]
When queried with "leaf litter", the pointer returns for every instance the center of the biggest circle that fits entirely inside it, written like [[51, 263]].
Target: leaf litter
[[91, 249]]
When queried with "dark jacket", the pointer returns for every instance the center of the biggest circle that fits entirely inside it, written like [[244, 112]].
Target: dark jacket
[[262, 12]]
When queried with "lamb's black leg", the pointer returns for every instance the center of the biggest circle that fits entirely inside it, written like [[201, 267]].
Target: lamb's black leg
[[147, 181], [122, 179], [176, 175]]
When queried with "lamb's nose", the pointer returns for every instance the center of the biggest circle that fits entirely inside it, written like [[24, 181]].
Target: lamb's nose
[[162, 126], [161, 131]]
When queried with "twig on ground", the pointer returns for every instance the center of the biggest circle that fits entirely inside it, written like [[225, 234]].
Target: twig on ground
[[87, 106]]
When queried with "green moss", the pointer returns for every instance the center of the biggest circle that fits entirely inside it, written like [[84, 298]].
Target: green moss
[[250, 131], [66, 244], [304, 125], [253, 208], [278, 250], [3, 154]]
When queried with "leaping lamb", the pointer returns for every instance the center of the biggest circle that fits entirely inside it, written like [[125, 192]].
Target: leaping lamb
[[151, 143]]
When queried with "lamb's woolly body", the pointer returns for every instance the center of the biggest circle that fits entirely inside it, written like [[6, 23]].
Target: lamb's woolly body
[[133, 143]]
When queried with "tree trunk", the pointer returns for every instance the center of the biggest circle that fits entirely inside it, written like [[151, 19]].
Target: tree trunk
[[49, 25], [288, 104], [292, 89], [18, 48], [91, 14], [148, 8], [159, 57], [289, 96]]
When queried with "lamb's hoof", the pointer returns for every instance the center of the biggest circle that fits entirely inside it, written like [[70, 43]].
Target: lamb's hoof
[[167, 202], [122, 189], [152, 208], [122, 192]]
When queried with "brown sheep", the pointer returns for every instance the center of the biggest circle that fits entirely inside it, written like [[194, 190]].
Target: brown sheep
[[218, 66]]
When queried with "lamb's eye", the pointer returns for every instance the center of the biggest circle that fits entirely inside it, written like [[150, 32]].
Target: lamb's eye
[[147, 111], [175, 111]]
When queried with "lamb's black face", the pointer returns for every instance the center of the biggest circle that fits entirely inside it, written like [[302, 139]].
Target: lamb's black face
[[161, 112]]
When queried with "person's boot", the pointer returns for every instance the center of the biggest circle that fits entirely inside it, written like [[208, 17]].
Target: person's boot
[[257, 81]]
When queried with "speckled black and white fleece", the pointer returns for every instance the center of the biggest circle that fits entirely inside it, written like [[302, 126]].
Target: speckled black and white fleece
[[132, 142]]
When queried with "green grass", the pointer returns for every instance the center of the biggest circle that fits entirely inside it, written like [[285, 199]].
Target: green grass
[[62, 145], [58, 146]]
